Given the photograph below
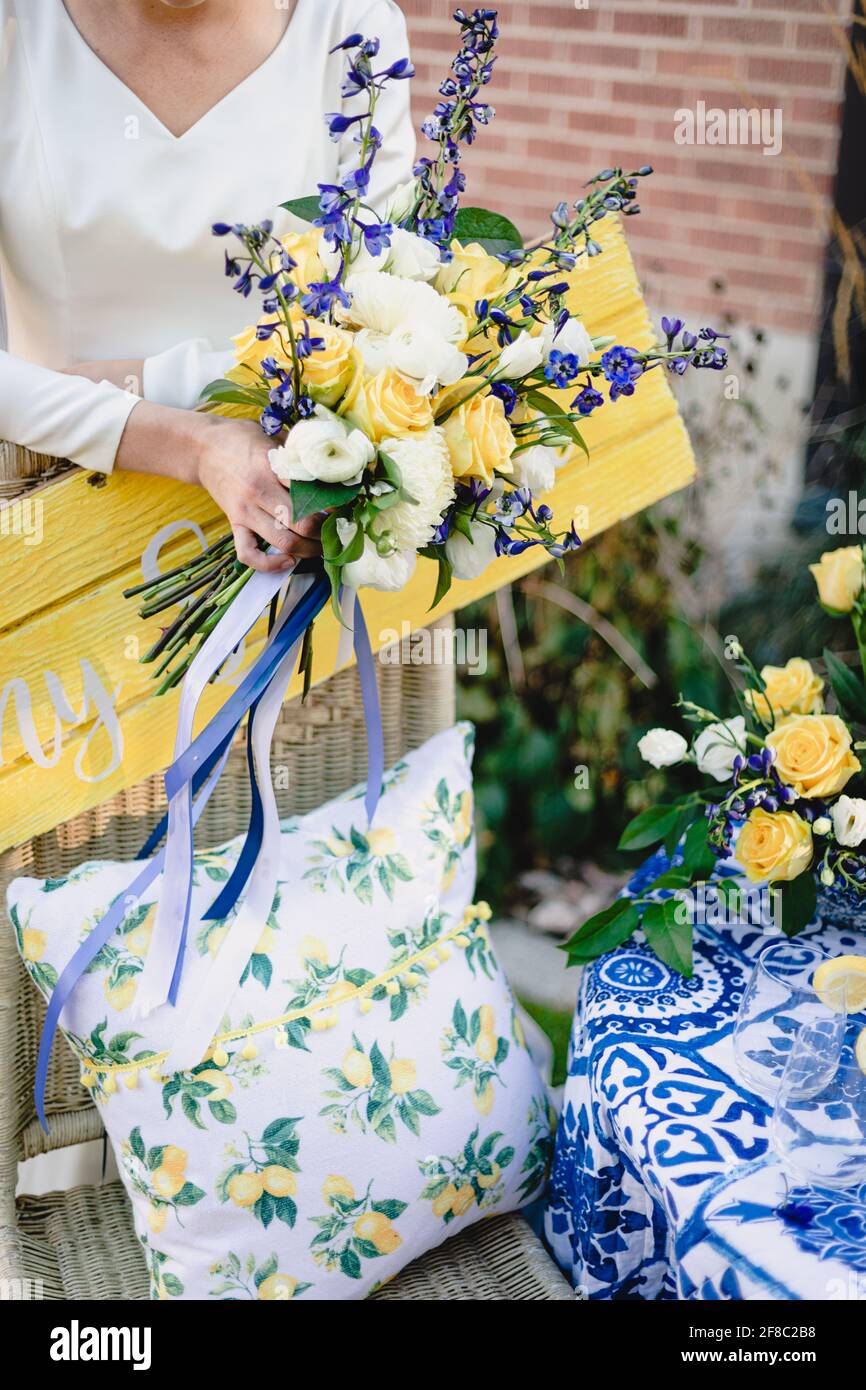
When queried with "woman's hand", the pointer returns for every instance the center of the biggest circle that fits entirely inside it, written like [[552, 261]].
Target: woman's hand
[[229, 458]]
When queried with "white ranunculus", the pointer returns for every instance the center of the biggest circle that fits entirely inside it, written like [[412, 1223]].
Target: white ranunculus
[[422, 354], [522, 356], [717, 745], [374, 349], [662, 747], [535, 468], [383, 303], [374, 571], [424, 465], [322, 449], [849, 820], [572, 337], [413, 256], [468, 558]]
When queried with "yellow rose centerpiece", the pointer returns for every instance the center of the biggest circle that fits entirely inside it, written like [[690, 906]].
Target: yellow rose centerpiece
[[774, 847], [813, 754], [479, 439], [790, 689], [839, 576]]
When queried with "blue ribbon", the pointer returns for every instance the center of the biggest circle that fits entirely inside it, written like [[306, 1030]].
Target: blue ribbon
[[198, 770]]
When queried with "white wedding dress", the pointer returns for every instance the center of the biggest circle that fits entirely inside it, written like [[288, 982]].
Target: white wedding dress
[[105, 216]]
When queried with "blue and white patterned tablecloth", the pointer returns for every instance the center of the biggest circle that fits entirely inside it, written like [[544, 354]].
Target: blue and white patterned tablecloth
[[663, 1182]]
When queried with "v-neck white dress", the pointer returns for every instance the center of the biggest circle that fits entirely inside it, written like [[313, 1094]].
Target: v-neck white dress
[[105, 216]]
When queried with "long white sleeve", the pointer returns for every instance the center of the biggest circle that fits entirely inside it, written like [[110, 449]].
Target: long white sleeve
[[177, 376], [66, 416]]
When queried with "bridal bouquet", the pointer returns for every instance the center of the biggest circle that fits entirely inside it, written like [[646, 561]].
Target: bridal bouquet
[[779, 798], [409, 368]]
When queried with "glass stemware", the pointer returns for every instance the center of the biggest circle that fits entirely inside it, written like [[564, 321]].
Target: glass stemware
[[780, 999], [818, 1127]]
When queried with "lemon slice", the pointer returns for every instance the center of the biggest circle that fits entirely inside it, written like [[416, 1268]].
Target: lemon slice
[[860, 1051], [842, 981]]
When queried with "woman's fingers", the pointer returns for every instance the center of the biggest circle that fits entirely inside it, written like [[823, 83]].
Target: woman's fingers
[[276, 500], [285, 538], [249, 553]]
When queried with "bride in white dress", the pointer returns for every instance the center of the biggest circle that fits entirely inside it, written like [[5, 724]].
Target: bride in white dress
[[128, 127]]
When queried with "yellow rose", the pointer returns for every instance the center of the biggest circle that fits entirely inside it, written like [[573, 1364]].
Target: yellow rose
[[774, 847], [250, 352], [813, 753], [33, 943], [303, 247], [381, 842], [377, 1229], [403, 1075], [277, 1286], [329, 372], [279, 1181], [245, 1189], [335, 1186], [479, 439], [386, 405], [471, 275], [357, 1069], [791, 689], [839, 576]]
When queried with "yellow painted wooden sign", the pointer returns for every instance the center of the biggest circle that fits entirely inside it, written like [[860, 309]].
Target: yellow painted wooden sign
[[78, 718]]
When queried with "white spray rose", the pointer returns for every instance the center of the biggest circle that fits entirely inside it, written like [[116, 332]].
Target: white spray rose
[[468, 558], [403, 201], [413, 256], [422, 354], [535, 468], [571, 338], [374, 571], [662, 747], [322, 449], [717, 745], [849, 820], [522, 356]]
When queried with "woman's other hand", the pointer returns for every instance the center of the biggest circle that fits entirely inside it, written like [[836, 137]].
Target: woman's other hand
[[229, 458]]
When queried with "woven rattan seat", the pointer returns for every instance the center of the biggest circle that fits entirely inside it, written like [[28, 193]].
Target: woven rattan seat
[[80, 1244]]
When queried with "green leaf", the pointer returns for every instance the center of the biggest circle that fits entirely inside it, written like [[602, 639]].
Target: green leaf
[[381, 1070], [445, 575], [320, 497], [350, 1264], [603, 932], [848, 688], [698, 859], [172, 1285], [490, 229], [670, 939], [554, 411], [649, 827], [231, 391], [794, 908], [307, 209]]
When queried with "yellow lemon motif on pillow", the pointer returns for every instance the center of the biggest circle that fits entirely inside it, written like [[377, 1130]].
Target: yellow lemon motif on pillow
[[357, 1069], [487, 1043], [404, 1075], [442, 1204], [221, 1084], [486, 1180], [335, 1186], [463, 1200], [279, 1181], [484, 1101], [33, 943], [277, 1286], [120, 996], [378, 1230], [215, 939], [265, 942], [156, 1218], [340, 991], [166, 1182], [311, 948], [340, 848], [245, 1189], [381, 842]]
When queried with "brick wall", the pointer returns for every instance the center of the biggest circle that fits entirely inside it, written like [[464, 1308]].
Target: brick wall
[[578, 89]]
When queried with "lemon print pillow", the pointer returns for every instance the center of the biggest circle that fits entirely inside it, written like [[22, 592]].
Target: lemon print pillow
[[368, 1093]]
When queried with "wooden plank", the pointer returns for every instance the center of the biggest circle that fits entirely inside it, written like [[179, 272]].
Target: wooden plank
[[67, 635]]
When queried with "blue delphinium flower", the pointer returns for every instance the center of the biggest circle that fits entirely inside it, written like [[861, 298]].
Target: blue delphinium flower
[[587, 400], [561, 369]]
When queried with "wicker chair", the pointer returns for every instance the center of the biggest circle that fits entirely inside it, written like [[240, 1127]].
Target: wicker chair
[[80, 1244]]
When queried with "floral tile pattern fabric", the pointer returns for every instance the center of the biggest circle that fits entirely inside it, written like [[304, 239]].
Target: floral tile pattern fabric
[[663, 1183], [369, 1091]]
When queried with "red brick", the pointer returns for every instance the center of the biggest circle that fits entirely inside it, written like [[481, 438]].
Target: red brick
[[822, 35], [698, 63], [654, 26], [791, 72], [741, 32]]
